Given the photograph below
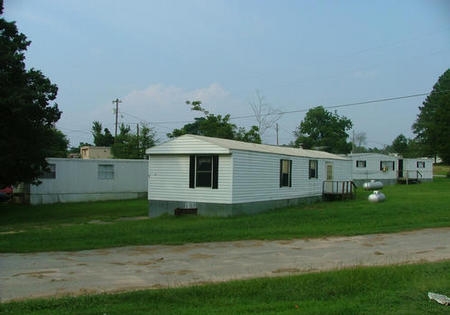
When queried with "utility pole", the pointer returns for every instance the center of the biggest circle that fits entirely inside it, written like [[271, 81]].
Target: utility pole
[[276, 128], [116, 101], [137, 135], [353, 141]]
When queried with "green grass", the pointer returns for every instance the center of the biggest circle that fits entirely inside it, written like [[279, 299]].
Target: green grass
[[67, 227], [371, 290], [441, 169], [16, 215]]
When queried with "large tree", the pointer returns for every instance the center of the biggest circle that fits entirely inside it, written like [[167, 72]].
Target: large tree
[[101, 138], [324, 130], [129, 145], [217, 126], [400, 145], [432, 127], [28, 118]]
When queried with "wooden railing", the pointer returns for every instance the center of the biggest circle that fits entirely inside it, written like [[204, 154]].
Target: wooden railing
[[338, 190], [408, 177]]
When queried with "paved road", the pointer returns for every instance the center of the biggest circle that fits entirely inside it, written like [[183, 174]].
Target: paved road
[[24, 276]]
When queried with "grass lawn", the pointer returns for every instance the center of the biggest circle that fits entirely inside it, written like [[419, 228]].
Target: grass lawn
[[70, 226], [441, 169], [372, 290]]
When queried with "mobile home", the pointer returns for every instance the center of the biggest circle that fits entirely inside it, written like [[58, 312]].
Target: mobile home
[[73, 180], [390, 169], [415, 170], [221, 177], [374, 166]]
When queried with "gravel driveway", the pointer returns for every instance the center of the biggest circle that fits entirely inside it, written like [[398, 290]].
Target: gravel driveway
[[24, 276]]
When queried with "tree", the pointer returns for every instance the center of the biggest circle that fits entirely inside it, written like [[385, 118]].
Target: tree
[[132, 146], [324, 130], [400, 145], [27, 116], [104, 139], [252, 135], [217, 126], [359, 140], [432, 126], [58, 144], [264, 114]]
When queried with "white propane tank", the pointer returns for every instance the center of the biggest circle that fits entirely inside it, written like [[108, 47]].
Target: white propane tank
[[373, 185], [376, 196]]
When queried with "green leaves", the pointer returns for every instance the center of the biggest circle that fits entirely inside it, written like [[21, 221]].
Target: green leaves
[[128, 145], [217, 126], [432, 127], [28, 117], [324, 130]]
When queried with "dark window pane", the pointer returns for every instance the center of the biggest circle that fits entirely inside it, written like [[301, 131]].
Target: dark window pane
[[204, 171], [204, 179], [204, 163]]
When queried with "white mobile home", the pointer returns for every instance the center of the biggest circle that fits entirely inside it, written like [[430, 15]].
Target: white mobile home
[[73, 180], [374, 166], [418, 169], [225, 177], [390, 169]]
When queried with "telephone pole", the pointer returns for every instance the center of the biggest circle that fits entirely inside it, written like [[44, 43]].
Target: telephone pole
[[276, 128], [116, 101]]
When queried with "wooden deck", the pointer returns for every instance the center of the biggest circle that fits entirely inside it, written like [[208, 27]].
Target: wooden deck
[[410, 177], [338, 190]]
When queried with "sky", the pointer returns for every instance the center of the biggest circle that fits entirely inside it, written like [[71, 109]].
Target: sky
[[155, 54]]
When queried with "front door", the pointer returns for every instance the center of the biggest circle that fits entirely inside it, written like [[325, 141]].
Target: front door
[[329, 171], [329, 184], [400, 168]]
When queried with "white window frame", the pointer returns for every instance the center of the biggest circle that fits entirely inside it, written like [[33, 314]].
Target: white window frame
[[105, 171]]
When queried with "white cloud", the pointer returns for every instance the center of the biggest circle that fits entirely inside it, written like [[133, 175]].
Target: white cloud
[[159, 102]]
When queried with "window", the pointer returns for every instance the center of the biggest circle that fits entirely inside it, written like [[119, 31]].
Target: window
[[204, 171], [420, 164], [386, 166], [50, 172], [361, 163], [313, 169], [285, 173], [105, 171]]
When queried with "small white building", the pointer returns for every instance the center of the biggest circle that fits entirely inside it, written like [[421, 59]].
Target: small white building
[[74, 180], [415, 169], [389, 169], [224, 177], [374, 166], [92, 152]]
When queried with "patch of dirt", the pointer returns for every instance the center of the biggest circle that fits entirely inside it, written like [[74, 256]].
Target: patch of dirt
[[201, 256], [52, 274], [287, 270]]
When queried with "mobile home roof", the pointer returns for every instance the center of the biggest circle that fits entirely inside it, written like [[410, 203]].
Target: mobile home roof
[[191, 144]]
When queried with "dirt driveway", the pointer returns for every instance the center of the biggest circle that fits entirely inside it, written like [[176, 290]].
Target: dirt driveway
[[24, 276]]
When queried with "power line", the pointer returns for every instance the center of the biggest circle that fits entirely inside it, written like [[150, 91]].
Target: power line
[[380, 100], [340, 105], [157, 122]]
